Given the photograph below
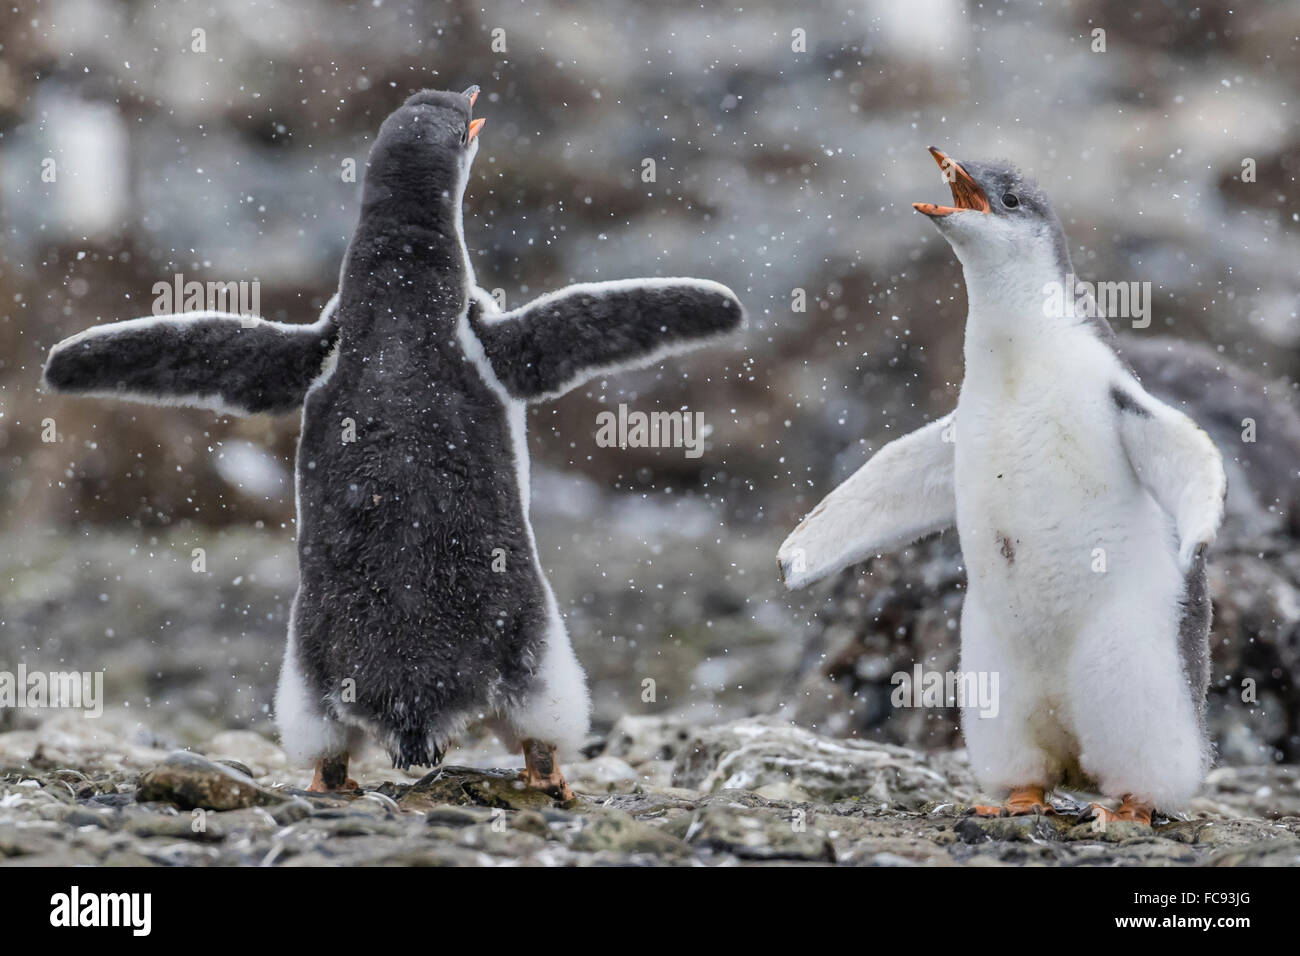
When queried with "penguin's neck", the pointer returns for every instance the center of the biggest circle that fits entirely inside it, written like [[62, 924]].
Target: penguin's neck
[[410, 267], [1008, 312], [458, 226]]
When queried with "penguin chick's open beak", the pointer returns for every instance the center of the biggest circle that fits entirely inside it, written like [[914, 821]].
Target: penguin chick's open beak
[[474, 125], [966, 193]]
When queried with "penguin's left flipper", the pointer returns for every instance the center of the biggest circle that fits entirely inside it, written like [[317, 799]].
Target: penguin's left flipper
[[559, 340], [904, 492], [1177, 463], [225, 362]]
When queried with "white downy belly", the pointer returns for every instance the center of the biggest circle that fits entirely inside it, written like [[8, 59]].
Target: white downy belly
[[1048, 512]]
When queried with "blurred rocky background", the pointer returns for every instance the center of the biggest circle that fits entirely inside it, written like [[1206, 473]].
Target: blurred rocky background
[[210, 139]]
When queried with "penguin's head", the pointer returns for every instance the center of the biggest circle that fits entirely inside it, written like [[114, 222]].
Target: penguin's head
[[424, 149], [998, 215]]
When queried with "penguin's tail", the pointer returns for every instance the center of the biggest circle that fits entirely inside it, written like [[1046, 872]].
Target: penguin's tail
[[411, 749]]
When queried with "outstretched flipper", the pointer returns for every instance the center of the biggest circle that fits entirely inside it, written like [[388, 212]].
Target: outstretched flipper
[[1177, 463], [557, 341], [228, 363], [904, 492]]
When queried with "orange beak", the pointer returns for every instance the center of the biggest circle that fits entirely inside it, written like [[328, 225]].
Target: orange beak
[[966, 193], [474, 125]]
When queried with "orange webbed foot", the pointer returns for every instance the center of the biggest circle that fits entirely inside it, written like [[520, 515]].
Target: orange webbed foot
[[541, 772], [1024, 801], [1020, 802], [1130, 809]]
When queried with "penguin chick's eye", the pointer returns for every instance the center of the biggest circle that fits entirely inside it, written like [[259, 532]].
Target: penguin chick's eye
[[464, 136], [1010, 201]]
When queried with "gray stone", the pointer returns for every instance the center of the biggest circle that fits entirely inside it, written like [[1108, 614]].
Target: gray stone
[[619, 832], [784, 761], [190, 781], [756, 835]]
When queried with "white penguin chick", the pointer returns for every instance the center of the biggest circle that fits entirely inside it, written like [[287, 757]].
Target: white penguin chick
[[1084, 508]]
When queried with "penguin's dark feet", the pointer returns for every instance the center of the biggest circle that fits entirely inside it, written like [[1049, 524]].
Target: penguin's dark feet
[[1130, 809], [1022, 801], [541, 772], [332, 776]]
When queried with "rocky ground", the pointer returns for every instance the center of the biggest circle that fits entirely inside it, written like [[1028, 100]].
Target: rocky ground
[[654, 791], [686, 777]]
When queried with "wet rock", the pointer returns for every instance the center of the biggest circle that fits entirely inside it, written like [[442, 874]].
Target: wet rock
[[1270, 791], [443, 816], [388, 852], [257, 754], [1228, 832], [783, 761], [290, 811], [501, 839], [112, 799], [80, 817], [181, 854], [355, 825], [531, 821], [237, 766], [1117, 831], [1263, 853], [177, 828], [1027, 829], [752, 834], [18, 841], [640, 739], [75, 816], [464, 786], [602, 774], [190, 781], [125, 857], [69, 740], [619, 832]]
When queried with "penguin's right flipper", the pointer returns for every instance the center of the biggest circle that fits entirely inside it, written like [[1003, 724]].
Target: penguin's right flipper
[[904, 492], [221, 361], [559, 340]]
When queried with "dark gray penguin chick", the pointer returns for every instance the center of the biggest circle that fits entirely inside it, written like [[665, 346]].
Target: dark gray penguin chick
[[422, 606]]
